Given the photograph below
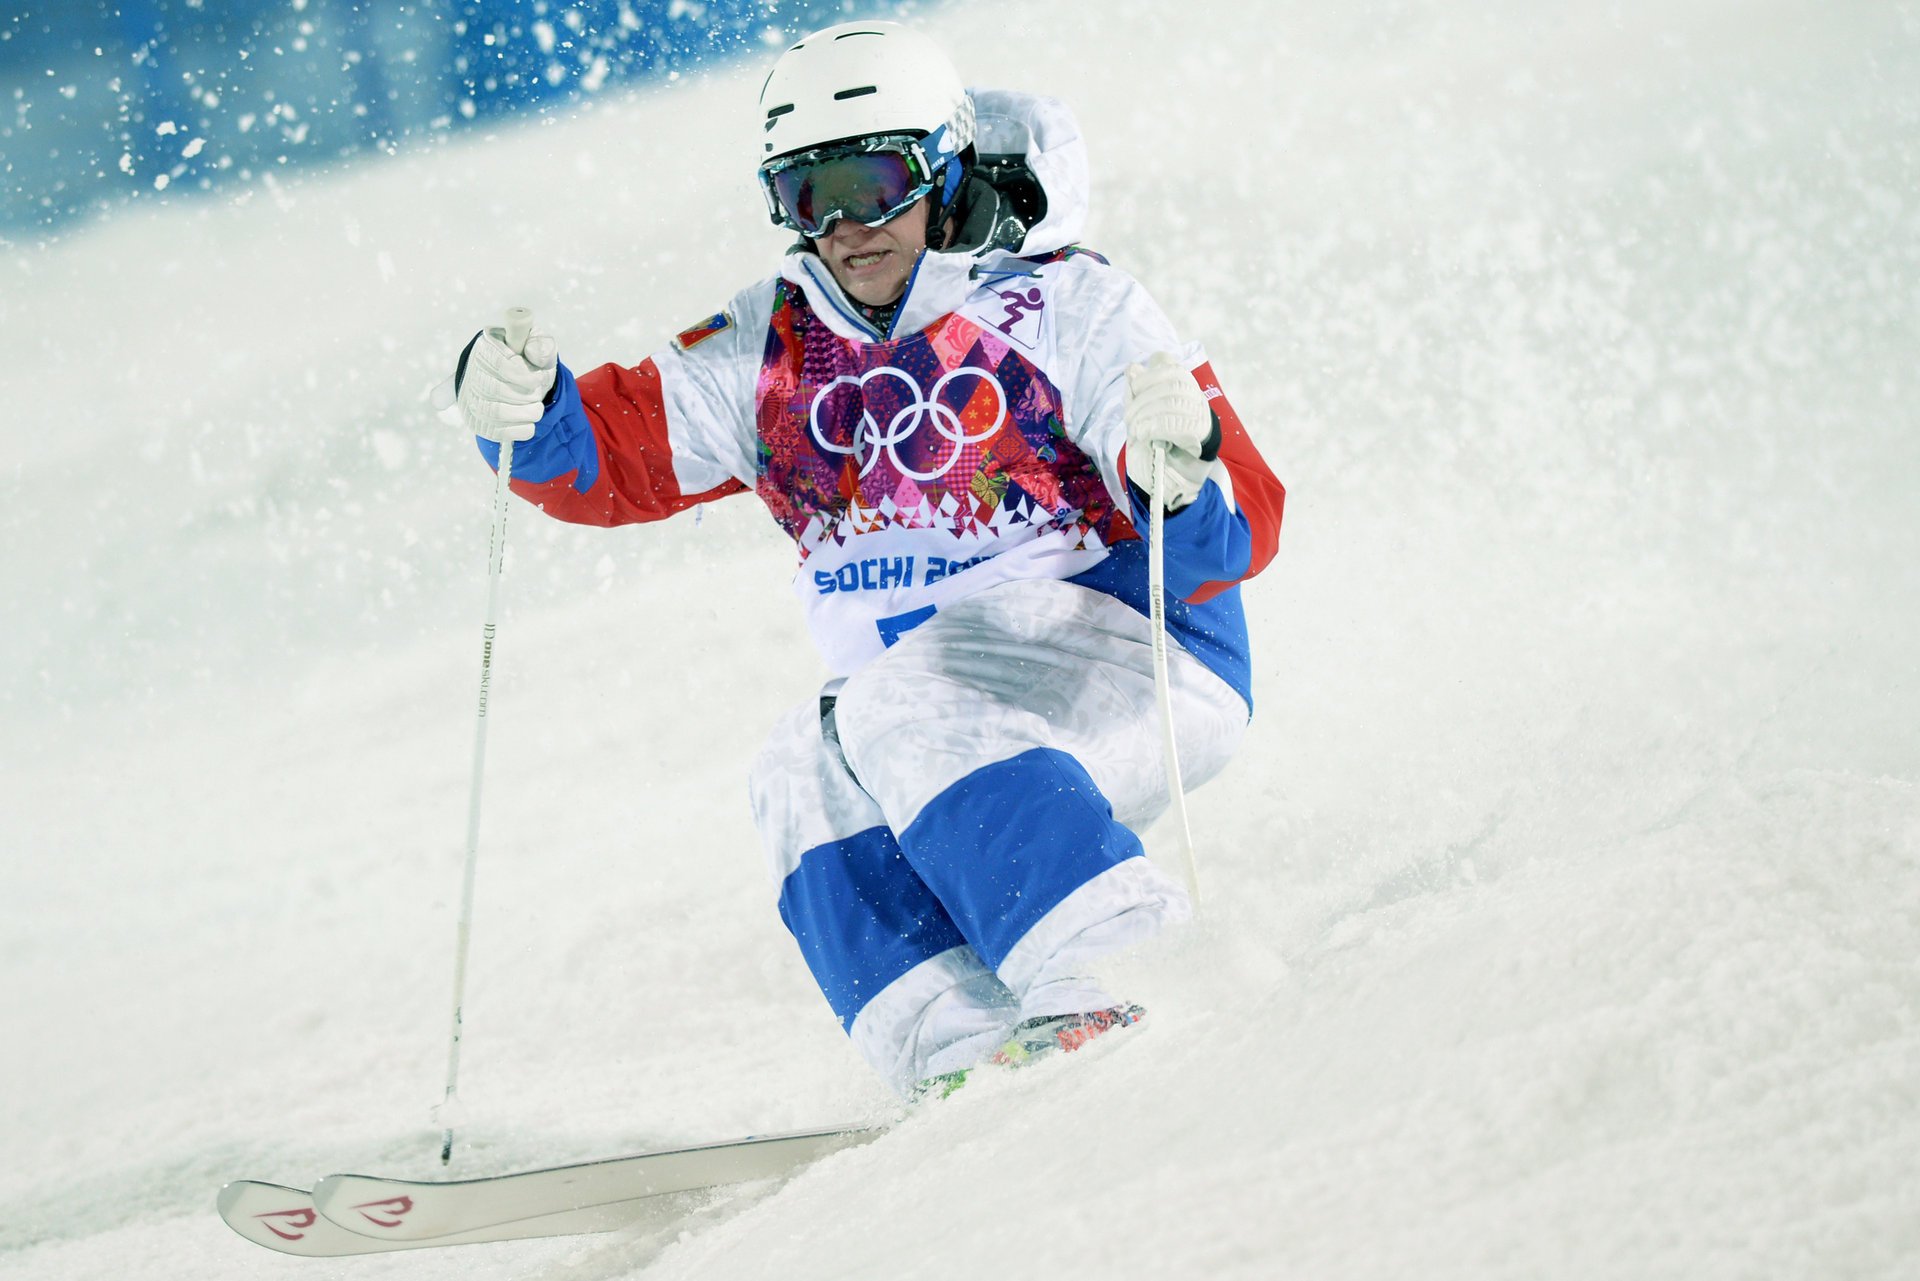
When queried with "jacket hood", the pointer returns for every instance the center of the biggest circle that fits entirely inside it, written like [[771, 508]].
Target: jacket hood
[[1044, 131]]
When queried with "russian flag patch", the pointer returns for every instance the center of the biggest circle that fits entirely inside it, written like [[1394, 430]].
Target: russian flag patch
[[686, 339]]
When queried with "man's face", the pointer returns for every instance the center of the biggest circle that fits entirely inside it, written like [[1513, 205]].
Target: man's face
[[873, 263]]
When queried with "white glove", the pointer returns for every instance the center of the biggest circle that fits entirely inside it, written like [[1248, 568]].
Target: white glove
[[502, 393], [1165, 406]]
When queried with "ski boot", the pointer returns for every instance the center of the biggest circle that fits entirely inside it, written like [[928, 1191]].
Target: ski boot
[[1033, 1040]]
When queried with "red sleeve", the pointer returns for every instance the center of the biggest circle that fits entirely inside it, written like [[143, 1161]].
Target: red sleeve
[[1257, 492], [636, 481]]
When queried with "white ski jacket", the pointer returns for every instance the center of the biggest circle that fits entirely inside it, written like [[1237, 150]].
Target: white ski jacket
[[981, 439]]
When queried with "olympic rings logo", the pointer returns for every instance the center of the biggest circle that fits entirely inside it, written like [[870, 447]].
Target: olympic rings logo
[[874, 439]]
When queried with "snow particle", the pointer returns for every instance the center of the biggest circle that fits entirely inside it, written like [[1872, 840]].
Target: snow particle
[[390, 448]]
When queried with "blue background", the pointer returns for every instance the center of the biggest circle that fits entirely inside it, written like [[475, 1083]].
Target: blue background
[[101, 102]]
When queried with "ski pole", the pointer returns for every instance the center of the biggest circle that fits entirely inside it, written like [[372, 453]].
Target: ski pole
[[1162, 682], [519, 327]]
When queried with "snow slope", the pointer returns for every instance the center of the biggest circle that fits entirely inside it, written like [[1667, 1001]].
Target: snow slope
[[1562, 911]]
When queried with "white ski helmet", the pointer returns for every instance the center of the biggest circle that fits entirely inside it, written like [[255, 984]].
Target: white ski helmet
[[860, 79], [864, 80]]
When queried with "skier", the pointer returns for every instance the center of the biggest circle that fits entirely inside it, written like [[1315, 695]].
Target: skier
[[951, 408]]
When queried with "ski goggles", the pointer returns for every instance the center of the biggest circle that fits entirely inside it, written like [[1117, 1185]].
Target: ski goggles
[[869, 180]]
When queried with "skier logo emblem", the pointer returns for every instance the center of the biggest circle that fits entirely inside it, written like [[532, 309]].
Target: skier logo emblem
[[904, 424], [1022, 306], [397, 1207], [1018, 304]]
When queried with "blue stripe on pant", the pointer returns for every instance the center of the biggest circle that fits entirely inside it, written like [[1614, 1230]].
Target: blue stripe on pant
[[981, 864], [1001, 847], [862, 918]]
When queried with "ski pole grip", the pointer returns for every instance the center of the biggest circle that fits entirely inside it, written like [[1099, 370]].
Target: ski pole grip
[[519, 328]]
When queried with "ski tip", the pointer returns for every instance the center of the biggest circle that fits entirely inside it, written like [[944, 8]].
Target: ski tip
[[228, 1197], [232, 1194], [277, 1217]]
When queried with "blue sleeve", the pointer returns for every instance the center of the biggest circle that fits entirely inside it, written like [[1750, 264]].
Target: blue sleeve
[[1208, 543], [562, 441]]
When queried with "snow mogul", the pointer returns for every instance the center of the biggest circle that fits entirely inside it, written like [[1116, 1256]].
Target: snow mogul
[[951, 408]]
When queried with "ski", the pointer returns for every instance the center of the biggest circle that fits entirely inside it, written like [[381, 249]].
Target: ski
[[284, 1219], [402, 1210]]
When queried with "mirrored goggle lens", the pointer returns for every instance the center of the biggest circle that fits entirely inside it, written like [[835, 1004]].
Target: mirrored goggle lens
[[869, 188]]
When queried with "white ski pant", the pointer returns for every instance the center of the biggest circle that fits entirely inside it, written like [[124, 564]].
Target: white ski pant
[[951, 865]]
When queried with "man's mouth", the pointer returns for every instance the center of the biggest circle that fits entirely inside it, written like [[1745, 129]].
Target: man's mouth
[[865, 260]]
